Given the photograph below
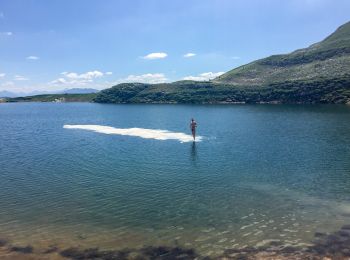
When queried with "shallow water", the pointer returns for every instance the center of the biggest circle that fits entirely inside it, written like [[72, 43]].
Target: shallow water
[[157, 134], [260, 173]]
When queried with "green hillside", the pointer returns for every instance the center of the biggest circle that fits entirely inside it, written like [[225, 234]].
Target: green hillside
[[317, 74], [329, 59]]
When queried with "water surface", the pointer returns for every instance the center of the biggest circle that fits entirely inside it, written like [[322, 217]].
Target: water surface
[[260, 173]]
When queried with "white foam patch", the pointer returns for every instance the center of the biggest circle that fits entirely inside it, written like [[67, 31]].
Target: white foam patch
[[157, 134]]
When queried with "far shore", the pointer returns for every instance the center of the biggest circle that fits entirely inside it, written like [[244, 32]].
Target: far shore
[[88, 98]]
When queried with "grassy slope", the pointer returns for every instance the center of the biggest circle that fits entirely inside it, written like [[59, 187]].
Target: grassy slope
[[327, 59], [317, 74], [304, 91]]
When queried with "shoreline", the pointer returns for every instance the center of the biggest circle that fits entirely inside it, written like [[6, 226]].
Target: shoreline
[[178, 103], [334, 245]]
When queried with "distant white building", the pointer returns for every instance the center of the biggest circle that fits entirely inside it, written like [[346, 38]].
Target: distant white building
[[59, 100]]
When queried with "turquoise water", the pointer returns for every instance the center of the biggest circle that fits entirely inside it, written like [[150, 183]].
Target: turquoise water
[[260, 172]]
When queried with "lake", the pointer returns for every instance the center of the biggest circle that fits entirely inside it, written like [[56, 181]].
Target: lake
[[257, 173]]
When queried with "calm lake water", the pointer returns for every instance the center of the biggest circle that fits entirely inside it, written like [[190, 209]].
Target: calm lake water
[[260, 173]]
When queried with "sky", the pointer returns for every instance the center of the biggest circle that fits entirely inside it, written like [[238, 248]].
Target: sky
[[58, 44]]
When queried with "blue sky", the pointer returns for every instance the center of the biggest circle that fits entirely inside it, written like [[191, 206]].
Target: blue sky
[[57, 44]]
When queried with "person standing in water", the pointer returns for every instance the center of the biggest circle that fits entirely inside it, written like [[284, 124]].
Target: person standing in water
[[193, 126]]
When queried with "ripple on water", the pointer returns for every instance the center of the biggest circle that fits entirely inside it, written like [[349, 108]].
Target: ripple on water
[[85, 188]]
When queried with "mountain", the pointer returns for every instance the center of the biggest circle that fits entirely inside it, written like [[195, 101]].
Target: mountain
[[328, 59], [9, 94], [78, 91], [317, 74]]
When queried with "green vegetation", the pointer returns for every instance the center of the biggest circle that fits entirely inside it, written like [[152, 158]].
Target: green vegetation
[[55, 98], [317, 74], [302, 91], [328, 59]]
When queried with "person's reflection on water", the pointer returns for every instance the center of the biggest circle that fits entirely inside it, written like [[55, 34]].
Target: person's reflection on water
[[193, 151]]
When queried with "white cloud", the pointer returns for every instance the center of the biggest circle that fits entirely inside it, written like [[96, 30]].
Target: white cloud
[[189, 55], [75, 79], [59, 81], [32, 58], [155, 55], [2, 16], [2, 75], [152, 78], [8, 84], [6, 33], [20, 78], [204, 76], [109, 73], [84, 76], [235, 57], [70, 82]]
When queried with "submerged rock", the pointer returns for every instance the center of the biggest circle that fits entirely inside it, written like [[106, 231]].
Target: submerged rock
[[50, 250], [346, 227], [3, 242], [162, 252], [156, 253], [319, 234], [326, 246], [23, 250], [90, 253]]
